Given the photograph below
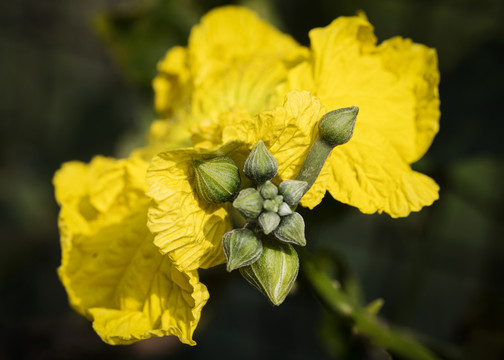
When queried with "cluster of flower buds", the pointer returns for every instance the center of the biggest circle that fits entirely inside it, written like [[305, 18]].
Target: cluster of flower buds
[[263, 249]]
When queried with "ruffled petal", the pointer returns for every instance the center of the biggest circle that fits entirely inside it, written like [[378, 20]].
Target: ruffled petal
[[112, 272], [187, 229], [369, 174], [416, 65], [233, 59], [348, 69]]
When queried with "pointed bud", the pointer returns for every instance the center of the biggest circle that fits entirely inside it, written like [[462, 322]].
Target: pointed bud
[[337, 126], [241, 247], [292, 191], [249, 202], [284, 209], [291, 229], [260, 165], [278, 200], [270, 205], [216, 180], [274, 272], [269, 190], [269, 221]]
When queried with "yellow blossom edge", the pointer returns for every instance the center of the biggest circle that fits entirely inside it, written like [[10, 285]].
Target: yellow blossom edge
[[186, 228], [233, 58], [393, 84], [111, 270]]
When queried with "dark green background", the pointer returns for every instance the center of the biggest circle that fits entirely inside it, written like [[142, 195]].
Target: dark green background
[[75, 81]]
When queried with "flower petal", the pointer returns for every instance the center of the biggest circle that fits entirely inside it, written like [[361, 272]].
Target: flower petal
[[111, 270], [186, 228], [416, 66], [368, 173], [348, 69], [233, 59]]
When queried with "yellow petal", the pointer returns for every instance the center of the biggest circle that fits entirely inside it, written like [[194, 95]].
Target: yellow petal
[[171, 84], [416, 66], [348, 69], [233, 59], [368, 173], [112, 272], [186, 228]]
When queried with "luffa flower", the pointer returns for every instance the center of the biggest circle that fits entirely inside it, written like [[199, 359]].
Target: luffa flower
[[131, 265]]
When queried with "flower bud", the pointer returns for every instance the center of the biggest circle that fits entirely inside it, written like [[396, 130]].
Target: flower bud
[[292, 191], [274, 272], [284, 209], [269, 221], [260, 165], [270, 205], [241, 247], [216, 180], [291, 229], [337, 126], [269, 190], [249, 202]]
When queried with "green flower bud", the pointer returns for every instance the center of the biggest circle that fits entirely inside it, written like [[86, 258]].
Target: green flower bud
[[269, 190], [216, 180], [241, 247], [260, 165], [337, 126], [269, 221], [291, 229], [274, 272], [284, 209], [278, 200], [292, 191], [249, 202], [270, 205]]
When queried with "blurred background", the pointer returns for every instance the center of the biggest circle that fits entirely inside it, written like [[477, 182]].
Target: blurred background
[[75, 81]]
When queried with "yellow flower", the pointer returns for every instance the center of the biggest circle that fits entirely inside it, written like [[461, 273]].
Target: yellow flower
[[394, 84], [238, 81], [232, 59], [113, 273]]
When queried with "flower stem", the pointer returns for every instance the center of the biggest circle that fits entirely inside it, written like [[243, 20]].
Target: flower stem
[[314, 161], [361, 319]]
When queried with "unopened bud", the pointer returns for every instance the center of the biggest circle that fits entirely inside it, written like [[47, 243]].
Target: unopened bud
[[274, 272], [337, 126], [241, 247], [269, 221], [269, 190], [292, 191], [284, 209], [291, 229], [216, 180], [260, 165], [249, 202]]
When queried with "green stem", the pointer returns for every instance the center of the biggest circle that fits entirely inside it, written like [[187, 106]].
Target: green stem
[[314, 161], [363, 320]]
